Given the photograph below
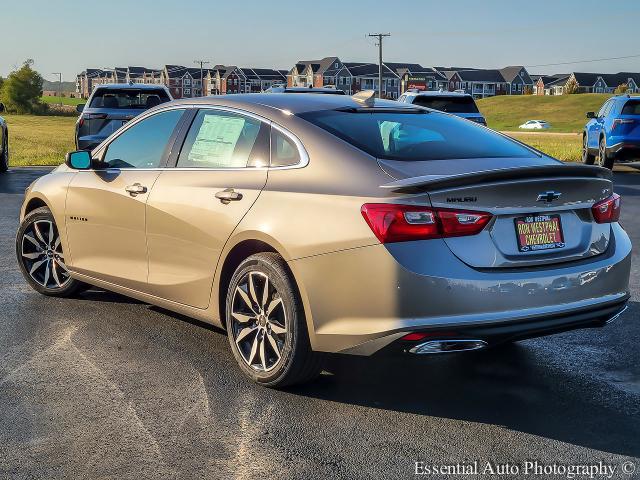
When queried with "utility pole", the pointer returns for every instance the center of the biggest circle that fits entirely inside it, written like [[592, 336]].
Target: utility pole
[[59, 85], [202, 63], [379, 36]]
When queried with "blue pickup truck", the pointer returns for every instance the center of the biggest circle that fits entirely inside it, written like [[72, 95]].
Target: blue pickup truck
[[613, 133]]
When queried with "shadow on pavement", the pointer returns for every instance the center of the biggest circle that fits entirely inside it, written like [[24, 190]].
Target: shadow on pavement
[[505, 385]]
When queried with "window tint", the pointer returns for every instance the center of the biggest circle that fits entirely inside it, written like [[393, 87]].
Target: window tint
[[128, 98], [632, 107], [415, 136], [143, 145], [284, 152], [462, 104], [604, 110], [219, 139]]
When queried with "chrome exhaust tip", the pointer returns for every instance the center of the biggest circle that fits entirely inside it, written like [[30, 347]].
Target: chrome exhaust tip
[[614, 317], [446, 346]]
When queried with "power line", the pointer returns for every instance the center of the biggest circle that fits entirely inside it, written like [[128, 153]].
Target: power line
[[380, 37], [583, 61]]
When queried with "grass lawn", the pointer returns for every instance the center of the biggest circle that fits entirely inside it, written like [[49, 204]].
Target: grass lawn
[[565, 113], [39, 140], [567, 148], [65, 100]]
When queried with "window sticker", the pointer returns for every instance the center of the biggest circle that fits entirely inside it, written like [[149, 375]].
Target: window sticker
[[216, 140]]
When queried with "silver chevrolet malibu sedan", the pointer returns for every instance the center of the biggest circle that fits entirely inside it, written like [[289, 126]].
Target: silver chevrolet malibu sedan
[[305, 224]]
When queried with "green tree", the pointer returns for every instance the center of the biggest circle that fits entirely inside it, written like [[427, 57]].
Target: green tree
[[22, 89]]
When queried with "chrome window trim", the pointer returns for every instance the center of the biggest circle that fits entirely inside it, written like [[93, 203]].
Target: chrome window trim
[[302, 152]]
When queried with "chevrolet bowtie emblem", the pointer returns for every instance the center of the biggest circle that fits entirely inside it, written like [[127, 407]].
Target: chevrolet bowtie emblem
[[549, 196]]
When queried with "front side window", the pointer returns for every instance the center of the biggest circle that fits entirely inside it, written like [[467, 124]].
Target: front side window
[[143, 145], [219, 139], [415, 136]]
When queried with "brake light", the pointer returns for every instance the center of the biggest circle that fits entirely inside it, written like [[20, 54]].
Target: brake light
[[402, 223], [620, 121], [607, 210]]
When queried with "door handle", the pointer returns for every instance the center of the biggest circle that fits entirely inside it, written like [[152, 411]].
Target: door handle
[[135, 189], [228, 195]]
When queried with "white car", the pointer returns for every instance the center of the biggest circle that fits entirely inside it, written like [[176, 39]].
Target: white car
[[535, 125]]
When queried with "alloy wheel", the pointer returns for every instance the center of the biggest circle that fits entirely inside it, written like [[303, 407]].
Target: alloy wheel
[[601, 154], [258, 322], [42, 256]]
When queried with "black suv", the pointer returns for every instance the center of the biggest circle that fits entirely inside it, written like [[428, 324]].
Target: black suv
[[111, 106]]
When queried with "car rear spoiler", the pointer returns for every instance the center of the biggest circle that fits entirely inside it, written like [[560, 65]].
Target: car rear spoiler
[[431, 182]]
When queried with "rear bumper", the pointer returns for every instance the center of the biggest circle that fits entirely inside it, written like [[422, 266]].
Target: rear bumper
[[500, 332], [360, 301], [625, 149]]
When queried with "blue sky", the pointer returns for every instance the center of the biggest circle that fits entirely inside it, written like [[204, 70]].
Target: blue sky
[[68, 36]]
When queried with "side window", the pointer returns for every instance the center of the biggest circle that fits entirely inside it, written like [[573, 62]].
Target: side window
[[402, 98], [603, 111], [284, 152], [143, 145], [219, 139]]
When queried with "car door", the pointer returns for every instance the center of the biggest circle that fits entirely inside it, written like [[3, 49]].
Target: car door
[[596, 125], [194, 207], [105, 208]]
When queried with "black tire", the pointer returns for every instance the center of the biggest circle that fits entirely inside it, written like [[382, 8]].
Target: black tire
[[296, 362], [42, 265], [587, 158], [604, 160], [4, 156]]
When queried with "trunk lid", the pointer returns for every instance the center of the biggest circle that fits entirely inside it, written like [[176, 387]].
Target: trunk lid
[[544, 193]]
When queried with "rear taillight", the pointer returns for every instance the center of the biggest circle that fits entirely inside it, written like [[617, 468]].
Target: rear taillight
[[608, 210], [402, 223], [620, 121]]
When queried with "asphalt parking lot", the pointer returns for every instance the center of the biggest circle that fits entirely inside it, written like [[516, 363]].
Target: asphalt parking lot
[[106, 387]]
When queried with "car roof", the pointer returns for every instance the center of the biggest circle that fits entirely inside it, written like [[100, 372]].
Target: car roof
[[307, 89], [293, 104], [436, 94], [135, 86]]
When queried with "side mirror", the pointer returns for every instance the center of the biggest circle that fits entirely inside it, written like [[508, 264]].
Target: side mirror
[[80, 160], [80, 107], [1, 107], [591, 115]]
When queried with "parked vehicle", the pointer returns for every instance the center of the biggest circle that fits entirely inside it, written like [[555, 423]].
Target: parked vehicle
[[111, 106], [325, 90], [460, 104], [322, 223], [614, 133], [4, 143], [535, 125]]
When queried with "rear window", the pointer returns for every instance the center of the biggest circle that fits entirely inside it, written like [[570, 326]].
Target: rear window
[[415, 136], [128, 98], [447, 104], [632, 107]]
